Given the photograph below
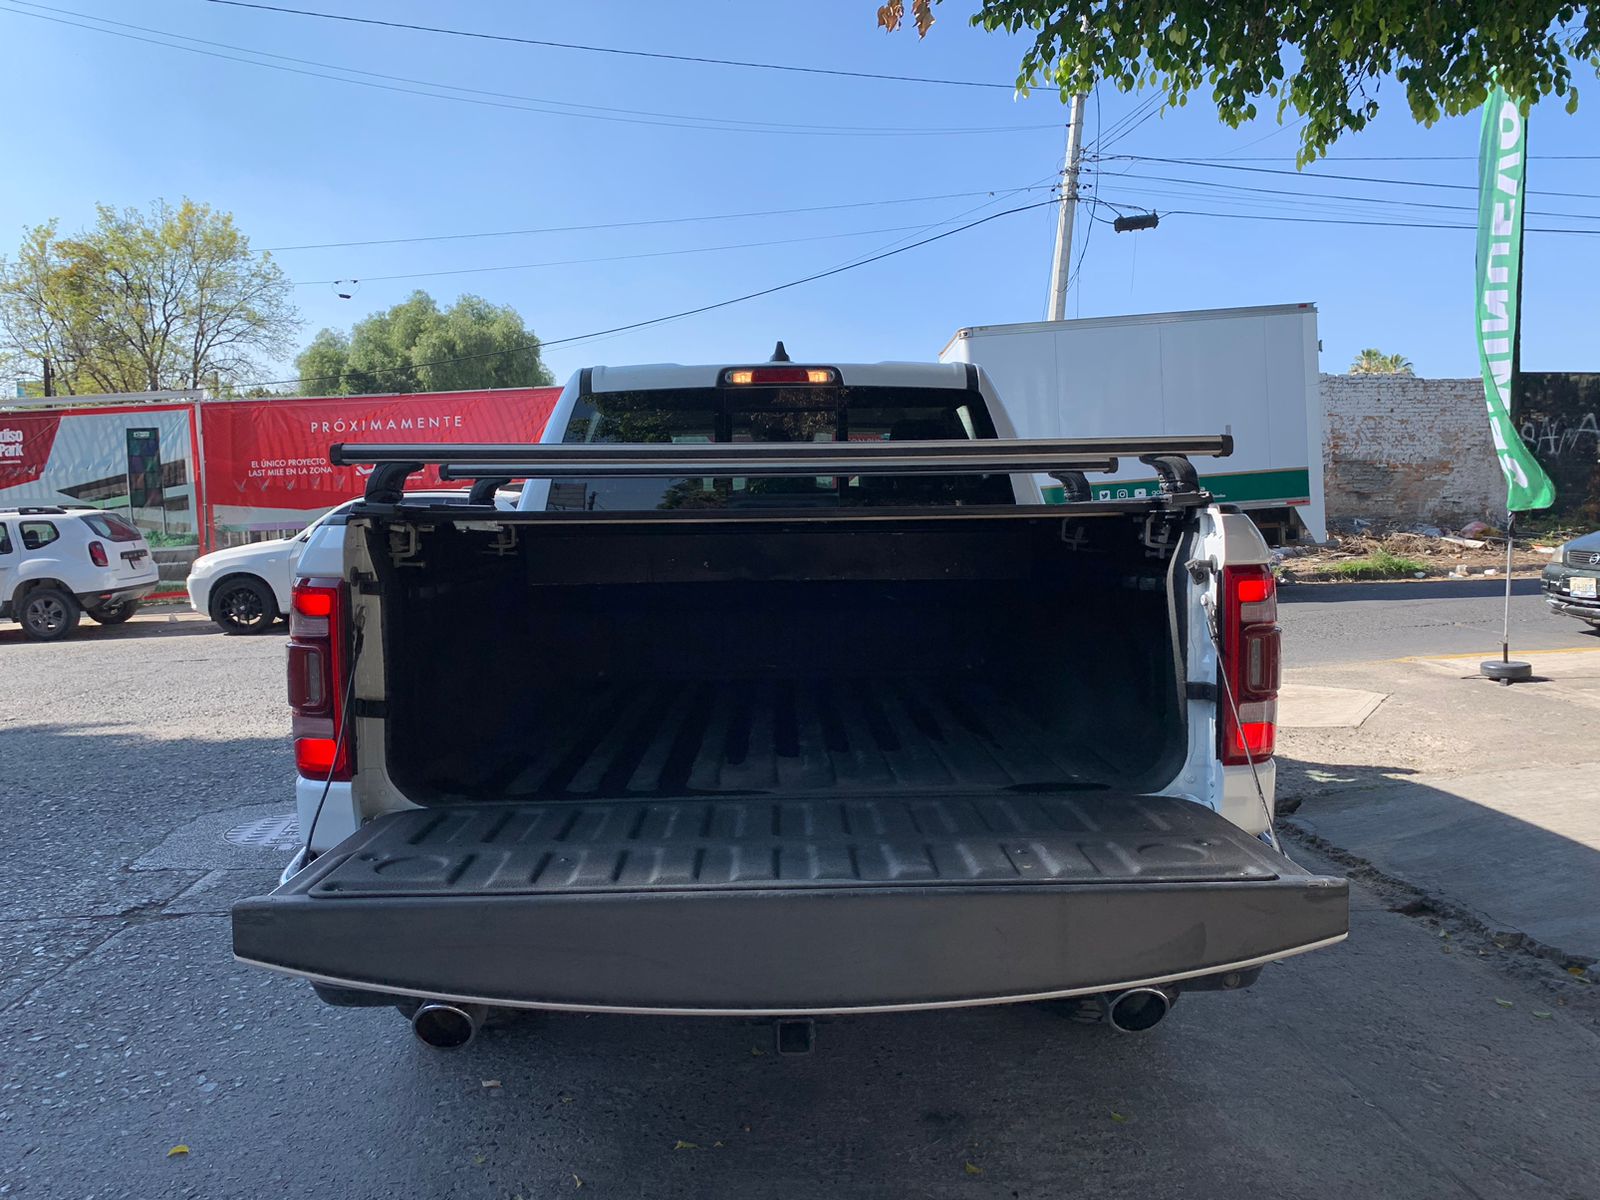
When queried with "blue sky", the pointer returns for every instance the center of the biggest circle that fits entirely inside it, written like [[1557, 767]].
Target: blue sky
[[301, 159]]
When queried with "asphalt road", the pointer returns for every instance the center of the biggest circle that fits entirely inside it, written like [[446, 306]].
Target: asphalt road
[[1397, 1065], [1359, 622]]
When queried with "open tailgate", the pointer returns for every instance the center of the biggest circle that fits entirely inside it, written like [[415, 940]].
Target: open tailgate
[[766, 906]]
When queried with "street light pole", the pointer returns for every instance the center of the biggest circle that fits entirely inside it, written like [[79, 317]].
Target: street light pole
[[1067, 210]]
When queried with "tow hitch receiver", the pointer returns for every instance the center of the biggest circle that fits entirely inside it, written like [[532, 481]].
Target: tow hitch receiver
[[796, 1036]]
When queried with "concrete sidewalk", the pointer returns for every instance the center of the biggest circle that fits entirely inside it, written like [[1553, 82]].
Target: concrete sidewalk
[[1482, 796]]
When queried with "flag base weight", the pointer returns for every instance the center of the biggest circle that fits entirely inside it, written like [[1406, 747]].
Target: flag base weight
[[1506, 672]]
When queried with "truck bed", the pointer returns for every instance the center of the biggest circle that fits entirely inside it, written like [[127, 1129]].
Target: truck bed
[[766, 906], [795, 734], [836, 654]]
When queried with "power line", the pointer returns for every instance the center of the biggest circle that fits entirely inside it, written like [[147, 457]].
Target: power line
[[588, 49], [1234, 216], [1282, 128], [1221, 166], [538, 343], [1343, 196], [1137, 115], [769, 212], [1153, 107], [480, 96], [1389, 157], [954, 217], [572, 262]]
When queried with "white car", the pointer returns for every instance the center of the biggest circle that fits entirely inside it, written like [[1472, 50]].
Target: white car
[[58, 563], [245, 589]]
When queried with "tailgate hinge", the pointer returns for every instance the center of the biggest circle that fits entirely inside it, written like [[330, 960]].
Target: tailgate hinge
[[1195, 690], [376, 709]]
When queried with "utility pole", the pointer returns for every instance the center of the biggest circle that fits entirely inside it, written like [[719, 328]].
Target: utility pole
[[1069, 204], [49, 378]]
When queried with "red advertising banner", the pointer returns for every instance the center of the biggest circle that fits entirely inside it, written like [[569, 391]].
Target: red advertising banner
[[25, 442], [266, 461]]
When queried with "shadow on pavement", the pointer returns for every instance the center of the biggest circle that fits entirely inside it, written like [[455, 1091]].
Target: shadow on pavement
[[1299, 780], [156, 625], [1494, 846]]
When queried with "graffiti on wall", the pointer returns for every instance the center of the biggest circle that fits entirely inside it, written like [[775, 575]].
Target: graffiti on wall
[[1558, 415]]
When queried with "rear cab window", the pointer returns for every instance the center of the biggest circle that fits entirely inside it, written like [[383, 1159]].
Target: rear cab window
[[36, 535], [5, 538], [768, 414], [112, 527]]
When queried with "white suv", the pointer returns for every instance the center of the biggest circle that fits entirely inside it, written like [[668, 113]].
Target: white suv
[[59, 563]]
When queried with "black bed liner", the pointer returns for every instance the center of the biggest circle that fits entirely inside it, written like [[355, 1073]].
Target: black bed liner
[[762, 905], [648, 737]]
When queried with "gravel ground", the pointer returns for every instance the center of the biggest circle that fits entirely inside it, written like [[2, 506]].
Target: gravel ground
[[1396, 1065]]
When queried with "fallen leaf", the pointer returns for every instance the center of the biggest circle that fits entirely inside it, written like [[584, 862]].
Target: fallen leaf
[[683, 1145], [479, 1160], [1119, 1118], [974, 1169], [1542, 1014], [177, 1150], [491, 1083], [1575, 972], [716, 1145], [1503, 1003], [567, 1099], [576, 1182]]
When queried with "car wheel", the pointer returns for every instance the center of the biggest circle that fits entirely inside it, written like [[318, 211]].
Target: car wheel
[[113, 614], [244, 605], [48, 614]]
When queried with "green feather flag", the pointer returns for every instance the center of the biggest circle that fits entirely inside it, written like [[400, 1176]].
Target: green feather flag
[[1502, 157]]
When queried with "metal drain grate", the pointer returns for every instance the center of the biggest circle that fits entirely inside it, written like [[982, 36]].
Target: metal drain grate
[[268, 833]]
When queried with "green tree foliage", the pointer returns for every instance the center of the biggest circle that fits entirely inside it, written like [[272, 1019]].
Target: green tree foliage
[[1323, 61], [169, 298], [418, 347], [1375, 362]]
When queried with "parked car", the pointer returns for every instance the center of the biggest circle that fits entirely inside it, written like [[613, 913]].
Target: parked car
[[1572, 580], [785, 695], [58, 563], [245, 589]]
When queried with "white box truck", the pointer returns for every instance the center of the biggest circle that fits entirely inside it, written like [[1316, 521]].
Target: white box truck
[[1249, 371]]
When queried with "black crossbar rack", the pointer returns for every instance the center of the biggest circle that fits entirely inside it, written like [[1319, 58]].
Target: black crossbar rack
[[804, 458], [590, 461]]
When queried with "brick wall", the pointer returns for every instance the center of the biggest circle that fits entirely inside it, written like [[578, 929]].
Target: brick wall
[[1407, 450]]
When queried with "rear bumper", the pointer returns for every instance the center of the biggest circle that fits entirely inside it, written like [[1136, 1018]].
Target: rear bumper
[[416, 904], [117, 595]]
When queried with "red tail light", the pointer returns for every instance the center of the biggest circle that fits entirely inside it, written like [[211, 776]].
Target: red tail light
[[319, 622], [1250, 663], [97, 554]]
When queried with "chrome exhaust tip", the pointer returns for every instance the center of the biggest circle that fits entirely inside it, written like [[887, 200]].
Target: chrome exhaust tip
[[447, 1026], [1137, 1009]]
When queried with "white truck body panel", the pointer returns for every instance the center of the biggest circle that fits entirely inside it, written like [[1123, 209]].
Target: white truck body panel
[[1249, 371]]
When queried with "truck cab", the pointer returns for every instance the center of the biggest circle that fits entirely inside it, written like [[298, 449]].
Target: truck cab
[[783, 693]]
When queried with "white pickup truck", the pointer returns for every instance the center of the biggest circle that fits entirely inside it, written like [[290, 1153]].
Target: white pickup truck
[[784, 694]]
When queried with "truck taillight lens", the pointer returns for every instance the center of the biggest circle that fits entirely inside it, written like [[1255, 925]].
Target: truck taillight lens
[[741, 376], [319, 623], [97, 554], [1250, 663]]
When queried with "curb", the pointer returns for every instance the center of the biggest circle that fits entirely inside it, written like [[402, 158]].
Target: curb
[[1417, 902]]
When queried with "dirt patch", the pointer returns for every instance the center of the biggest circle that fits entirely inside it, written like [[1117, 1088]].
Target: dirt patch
[[1355, 556]]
